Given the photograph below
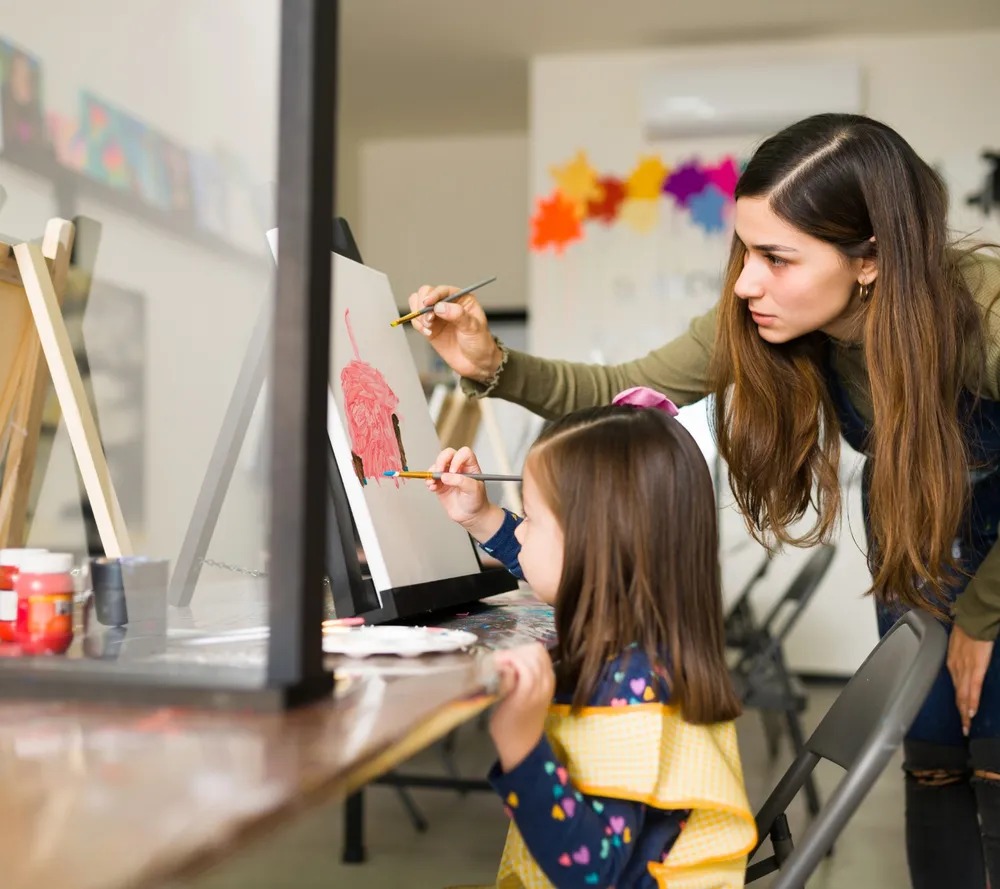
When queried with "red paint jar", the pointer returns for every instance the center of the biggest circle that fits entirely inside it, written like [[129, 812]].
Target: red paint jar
[[10, 566], [45, 603]]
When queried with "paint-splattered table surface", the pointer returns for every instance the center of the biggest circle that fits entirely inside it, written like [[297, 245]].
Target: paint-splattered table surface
[[506, 620], [100, 797]]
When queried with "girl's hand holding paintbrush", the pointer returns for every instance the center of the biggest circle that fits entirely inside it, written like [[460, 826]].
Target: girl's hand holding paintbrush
[[458, 331], [463, 498]]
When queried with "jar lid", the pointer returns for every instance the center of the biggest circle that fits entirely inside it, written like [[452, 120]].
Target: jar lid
[[13, 557], [47, 563]]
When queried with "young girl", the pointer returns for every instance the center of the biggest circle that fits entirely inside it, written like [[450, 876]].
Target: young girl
[[618, 766]]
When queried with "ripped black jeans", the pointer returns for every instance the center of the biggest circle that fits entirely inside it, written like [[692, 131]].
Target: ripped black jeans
[[953, 786]]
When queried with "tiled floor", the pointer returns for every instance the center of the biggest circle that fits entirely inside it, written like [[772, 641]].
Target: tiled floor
[[465, 836]]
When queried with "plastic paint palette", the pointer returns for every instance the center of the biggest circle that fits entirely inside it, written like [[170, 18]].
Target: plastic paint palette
[[400, 641]]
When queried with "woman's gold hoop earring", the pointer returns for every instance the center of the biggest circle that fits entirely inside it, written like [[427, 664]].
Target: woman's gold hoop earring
[[864, 291]]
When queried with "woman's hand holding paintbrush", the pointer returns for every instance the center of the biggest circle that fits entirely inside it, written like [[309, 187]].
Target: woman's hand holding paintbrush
[[463, 498], [458, 331]]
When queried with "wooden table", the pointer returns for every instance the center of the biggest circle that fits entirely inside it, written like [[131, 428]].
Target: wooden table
[[100, 797]]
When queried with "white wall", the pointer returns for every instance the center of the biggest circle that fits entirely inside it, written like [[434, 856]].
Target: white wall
[[449, 210], [452, 210], [619, 293], [205, 75]]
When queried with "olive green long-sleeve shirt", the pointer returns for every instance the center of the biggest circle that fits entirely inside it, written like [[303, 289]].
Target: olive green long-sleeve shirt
[[679, 369]]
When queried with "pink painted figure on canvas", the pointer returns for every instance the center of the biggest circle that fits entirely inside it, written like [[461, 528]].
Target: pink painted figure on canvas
[[372, 423]]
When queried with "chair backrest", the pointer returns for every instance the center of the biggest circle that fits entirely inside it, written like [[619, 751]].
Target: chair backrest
[[860, 732], [887, 690], [802, 588], [762, 644], [741, 624]]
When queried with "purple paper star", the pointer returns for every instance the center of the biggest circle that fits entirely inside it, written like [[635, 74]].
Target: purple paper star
[[685, 182]]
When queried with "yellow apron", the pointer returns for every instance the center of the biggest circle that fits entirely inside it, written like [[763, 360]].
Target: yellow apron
[[648, 753]]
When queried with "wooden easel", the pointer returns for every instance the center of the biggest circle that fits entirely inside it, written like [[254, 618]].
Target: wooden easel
[[458, 421], [34, 348]]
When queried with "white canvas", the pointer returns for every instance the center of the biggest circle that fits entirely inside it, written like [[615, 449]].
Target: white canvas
[[405, 533]]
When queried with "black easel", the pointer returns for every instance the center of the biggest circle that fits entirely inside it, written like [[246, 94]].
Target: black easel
[[352, 587]]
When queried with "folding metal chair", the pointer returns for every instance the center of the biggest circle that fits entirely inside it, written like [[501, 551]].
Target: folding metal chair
[[761, 674], [860, 733]]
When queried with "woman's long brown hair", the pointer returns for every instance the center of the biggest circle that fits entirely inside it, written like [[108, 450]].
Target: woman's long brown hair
[[634, 498], [846, 179]]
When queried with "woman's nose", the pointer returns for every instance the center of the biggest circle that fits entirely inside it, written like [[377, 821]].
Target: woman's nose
[[748, 284]]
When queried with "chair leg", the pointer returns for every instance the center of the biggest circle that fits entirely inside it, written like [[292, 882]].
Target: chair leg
[[448, 756], [772, 733], [354, 829], [416, 817], [799, 743]]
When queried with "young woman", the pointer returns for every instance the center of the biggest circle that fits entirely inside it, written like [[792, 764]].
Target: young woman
[[846, 312]]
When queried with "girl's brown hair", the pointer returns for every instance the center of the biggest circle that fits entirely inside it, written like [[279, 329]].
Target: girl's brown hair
[[856, 184], [634, 498]]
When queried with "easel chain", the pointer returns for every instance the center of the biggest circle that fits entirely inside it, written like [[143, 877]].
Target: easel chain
[[249, 572]]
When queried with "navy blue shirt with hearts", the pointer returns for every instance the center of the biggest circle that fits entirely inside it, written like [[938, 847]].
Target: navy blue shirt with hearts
[[576, 839]]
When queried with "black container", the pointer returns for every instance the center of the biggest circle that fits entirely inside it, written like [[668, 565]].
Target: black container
[[131, 591]]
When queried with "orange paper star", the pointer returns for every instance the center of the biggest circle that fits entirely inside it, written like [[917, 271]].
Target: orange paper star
[[577, 182], [555, 223], [646, 179]]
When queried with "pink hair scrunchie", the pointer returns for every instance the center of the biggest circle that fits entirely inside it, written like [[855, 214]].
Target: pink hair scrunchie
[[643, 396]]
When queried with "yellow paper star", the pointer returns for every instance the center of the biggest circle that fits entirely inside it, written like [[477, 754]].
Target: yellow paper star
[[640, 215], [646, 179], [577, 182]]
